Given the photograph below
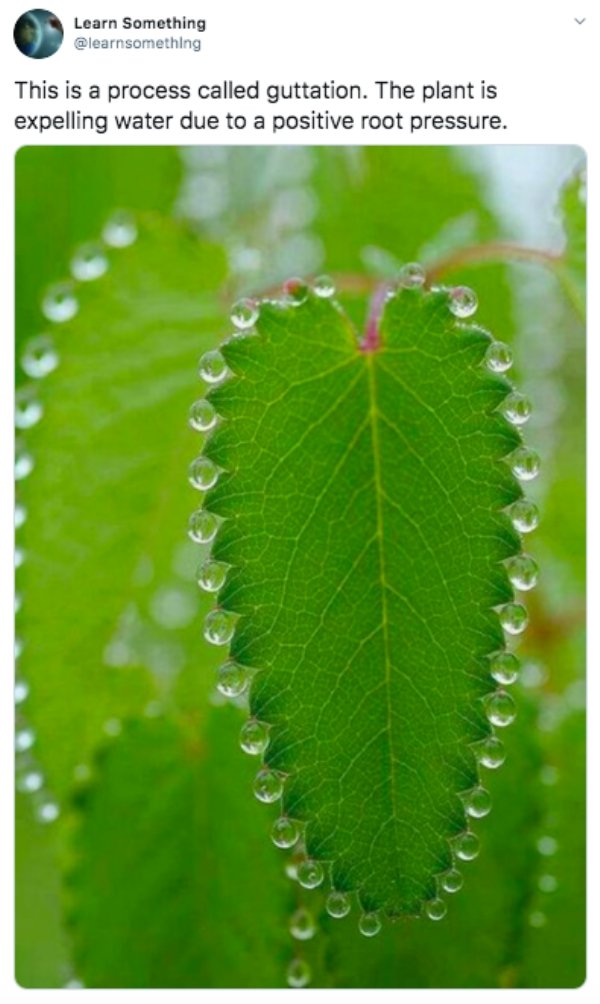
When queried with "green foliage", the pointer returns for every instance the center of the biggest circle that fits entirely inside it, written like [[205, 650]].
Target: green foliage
[[168, 875], [104, 520], [175, 874], [361, 496]]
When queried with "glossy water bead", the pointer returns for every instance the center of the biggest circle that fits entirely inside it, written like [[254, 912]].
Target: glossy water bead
[[244, 313], [310, 873], [522, 571], [24, 464], [477, 802], [436, 909], [212, 367], [203, 474], [268, 785], [89, 262], [21, 691], [232, 679], [524, 515], [499, 357], [211, 575], [60, 303], [466, 845], [298, 973], [28, 408], [302, 924], [47, 811], [411, 275], [39, 357], [516, 408], [513, 617], [120, 231], [369, 924], [254, 737], [323, 286], [219, 626], [202, 526], [202, 416], [285, 832], [504, 668], [338, 904], [462, 301], [452, 881], [296, 291], [500, 709], [525, 463], [491, 753]]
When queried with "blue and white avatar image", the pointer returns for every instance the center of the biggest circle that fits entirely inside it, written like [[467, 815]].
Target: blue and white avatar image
[[38, 33]]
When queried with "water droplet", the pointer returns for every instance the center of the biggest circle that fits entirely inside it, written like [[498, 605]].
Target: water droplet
[[296, 291], [504, 667], [477, 802], [112, 727], [73, 985], [549, 775], [302, 924], [547, 846], [244, 313], [203, 474], [60, 303], [324, 286], [19, 556], [463, 301], [537, 919], [39, 357], [525, 463], [211, 575], [31, 781], [522, 571], [47, 811], [24, 740], [338, 904], [24, 464], [21, 691], [28, 409], [202, 526], [82, 773], [491, 753], [219, 626], [466, 845], [212, 367], [232, 679], [120, 231], [516, 408], [285, 833], [203, 416], [411, 275], [524, 515], [298, 973], [452, 880], [369, 924], [18, 647], [88, 263], [254, 737], [268, 785], [547, 883], [436, 909], [499, 357], [18, 602], [310, 873], [513, 617], [500, 709], [20, 515]]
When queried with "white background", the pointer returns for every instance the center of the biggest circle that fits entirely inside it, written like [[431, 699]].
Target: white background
[[533, 50]]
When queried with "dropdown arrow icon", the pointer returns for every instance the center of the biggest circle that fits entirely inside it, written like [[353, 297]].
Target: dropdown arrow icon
[[580, 20]]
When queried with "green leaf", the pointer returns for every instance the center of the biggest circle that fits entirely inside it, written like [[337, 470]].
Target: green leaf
[[571, 268], [106, 499], [362, 496], [177, 884]]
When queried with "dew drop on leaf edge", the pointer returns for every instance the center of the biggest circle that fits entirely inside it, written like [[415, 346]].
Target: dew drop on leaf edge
[[338, 904]]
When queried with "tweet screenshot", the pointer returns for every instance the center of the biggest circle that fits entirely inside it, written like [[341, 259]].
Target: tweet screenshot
[[296, 300]]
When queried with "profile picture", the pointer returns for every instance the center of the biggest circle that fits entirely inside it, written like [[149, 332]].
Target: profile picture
[[38, 33]]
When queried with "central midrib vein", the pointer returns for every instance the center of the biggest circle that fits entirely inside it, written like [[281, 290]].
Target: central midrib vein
[[373, 416]]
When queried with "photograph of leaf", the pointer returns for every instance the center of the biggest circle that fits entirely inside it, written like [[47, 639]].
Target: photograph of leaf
[[300, 474]]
